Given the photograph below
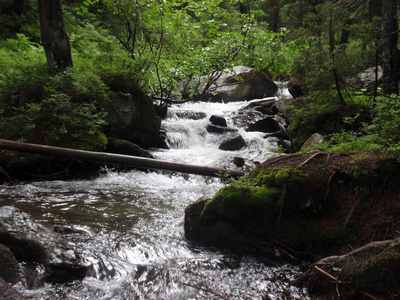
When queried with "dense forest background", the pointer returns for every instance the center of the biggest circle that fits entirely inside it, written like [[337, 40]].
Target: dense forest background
[[59, 62]]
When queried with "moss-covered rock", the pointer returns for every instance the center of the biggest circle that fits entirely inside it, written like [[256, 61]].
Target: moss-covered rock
[[316, 202], [312, 119]]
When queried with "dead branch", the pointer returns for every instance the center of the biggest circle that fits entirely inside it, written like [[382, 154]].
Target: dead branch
[[331, 260], [325, 273]]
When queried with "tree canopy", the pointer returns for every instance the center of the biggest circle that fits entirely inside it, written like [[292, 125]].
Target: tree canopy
[[323, 45]]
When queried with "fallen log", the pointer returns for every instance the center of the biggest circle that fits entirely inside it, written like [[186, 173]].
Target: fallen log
[[118, 159]]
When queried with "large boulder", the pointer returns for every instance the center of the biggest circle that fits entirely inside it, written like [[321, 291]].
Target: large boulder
[[132, 117], [242, 83], [221, 234], [265, 125], [315, 202], [34, 243], [237, 84]]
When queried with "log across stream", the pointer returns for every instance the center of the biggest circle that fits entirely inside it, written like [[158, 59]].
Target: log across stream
[[109, 158]]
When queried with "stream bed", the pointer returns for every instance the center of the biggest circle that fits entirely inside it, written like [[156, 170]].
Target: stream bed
[[129, 225]]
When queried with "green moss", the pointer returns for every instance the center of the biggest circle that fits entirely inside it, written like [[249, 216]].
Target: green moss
[[254, 201], [377, 268]]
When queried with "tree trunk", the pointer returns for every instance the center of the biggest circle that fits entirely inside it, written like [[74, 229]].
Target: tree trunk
[[54, 36], [390, 54]]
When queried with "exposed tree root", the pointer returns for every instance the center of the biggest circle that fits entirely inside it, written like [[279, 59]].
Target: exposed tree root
[[310, 158]]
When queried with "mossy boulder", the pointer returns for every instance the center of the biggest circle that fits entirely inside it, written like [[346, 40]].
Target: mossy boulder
[[315, 202], [311, 119]]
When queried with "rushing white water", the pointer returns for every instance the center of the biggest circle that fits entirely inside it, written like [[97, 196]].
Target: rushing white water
[[190, 142], [131, 224]]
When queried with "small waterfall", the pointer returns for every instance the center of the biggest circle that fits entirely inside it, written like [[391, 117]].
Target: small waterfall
[[189, 141], [283, 95]]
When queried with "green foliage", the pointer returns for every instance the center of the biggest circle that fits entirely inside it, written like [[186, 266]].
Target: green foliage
[[61, 110], [381, 135], [56, 121]]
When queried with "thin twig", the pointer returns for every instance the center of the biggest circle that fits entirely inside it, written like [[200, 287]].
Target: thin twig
[[205, 290], [325, 273]]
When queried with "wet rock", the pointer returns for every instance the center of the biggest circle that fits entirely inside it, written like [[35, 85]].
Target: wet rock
[[32, 242], [242, 83], [60, 229], [313, 141], [265, 125], [218, 121], [219, 129], [232, 144], [238, 161], [246, 116], [296, 87], [372, 268], [191, 115], [161, 141], [7, 292], [265, 110], [279, 134], [124, 147], [9, 267], [220, 234], [161, 110], [286, 145], [132, 117]]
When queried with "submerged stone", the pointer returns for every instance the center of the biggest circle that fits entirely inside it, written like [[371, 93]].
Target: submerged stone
[[32, 242]]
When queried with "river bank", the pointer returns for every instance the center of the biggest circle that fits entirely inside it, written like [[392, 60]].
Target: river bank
[[308, 206]]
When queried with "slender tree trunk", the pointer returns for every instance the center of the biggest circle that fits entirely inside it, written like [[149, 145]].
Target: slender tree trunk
[[54, 36], [390, 53], [344, 38]]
